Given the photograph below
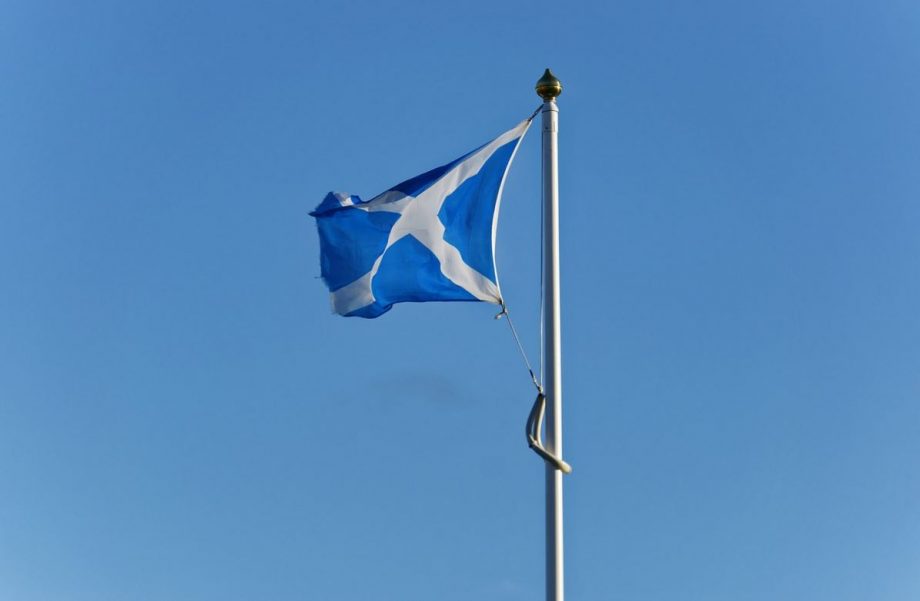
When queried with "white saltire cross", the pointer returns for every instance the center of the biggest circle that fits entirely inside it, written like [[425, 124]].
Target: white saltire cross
[[418, 217]]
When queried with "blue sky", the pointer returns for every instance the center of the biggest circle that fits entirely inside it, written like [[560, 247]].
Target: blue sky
[[181, 416]]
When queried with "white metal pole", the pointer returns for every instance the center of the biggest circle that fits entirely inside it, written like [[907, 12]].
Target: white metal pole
[[549, 88]]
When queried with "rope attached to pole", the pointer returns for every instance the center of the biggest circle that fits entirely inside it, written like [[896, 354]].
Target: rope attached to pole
[[517, 339], [534, 425]]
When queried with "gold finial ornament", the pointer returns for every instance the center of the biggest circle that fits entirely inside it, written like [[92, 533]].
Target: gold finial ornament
[[549, 86]]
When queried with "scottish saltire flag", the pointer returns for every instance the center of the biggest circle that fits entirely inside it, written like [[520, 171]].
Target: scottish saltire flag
[[430, 238]]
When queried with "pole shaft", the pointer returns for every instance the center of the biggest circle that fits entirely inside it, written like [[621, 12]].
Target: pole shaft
[[552, 353]]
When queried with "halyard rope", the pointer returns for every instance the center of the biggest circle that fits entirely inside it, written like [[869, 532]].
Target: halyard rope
[[517, 339]]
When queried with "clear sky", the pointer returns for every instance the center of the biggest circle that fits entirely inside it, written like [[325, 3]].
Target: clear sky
[[182, 417]]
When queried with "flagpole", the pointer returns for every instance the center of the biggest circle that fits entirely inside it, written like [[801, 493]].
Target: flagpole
[[548, 88]]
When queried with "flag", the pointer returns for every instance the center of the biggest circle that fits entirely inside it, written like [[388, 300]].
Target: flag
[[430, 238]]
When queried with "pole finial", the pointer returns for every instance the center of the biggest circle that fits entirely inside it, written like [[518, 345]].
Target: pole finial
[[548, 86]]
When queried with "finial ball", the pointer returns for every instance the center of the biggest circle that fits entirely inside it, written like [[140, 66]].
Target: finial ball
[[549, 86]]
